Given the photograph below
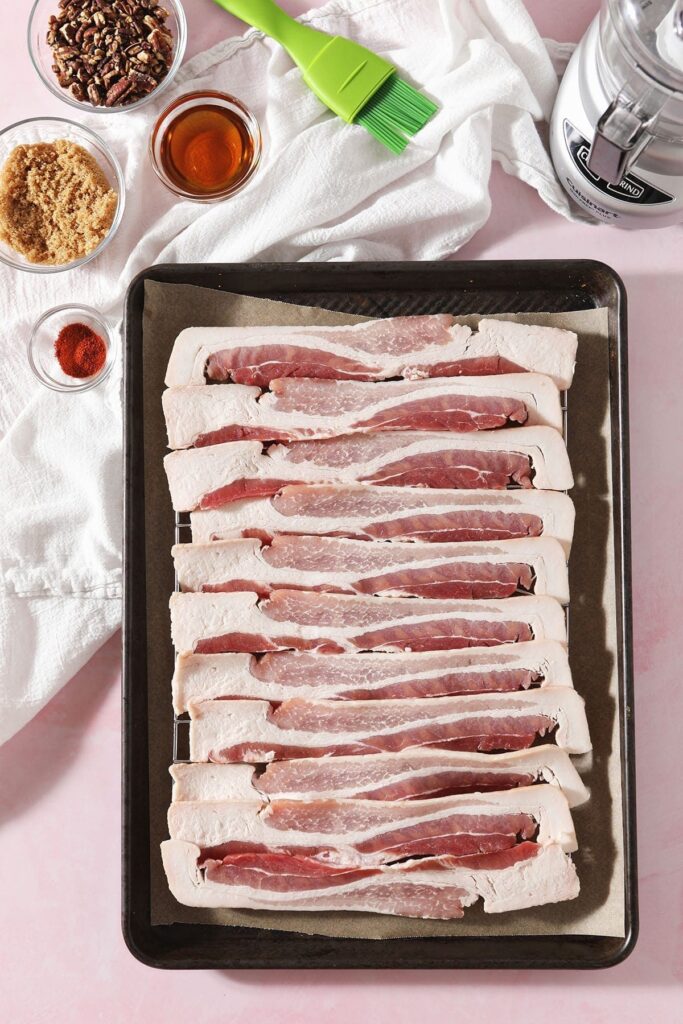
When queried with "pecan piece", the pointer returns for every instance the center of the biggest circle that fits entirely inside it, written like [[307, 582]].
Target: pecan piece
[[146, 82], [118, 92], [95, 95], [160, 41]]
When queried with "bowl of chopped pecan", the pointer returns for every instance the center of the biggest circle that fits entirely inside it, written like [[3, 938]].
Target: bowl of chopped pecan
[[107, 56]]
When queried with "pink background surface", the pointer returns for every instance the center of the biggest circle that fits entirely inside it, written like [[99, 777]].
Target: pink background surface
[[63, 957]]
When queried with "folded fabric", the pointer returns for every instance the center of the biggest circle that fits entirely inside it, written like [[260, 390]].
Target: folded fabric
[[325, 191], [60, 561]]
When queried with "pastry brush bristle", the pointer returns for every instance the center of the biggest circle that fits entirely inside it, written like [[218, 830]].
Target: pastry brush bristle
[[395, 112]]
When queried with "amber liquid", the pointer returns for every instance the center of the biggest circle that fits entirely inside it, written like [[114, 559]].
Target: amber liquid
[[207, 150]]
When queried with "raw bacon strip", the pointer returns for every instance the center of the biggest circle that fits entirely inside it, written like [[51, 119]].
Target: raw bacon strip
[[282, 675], [329, 564], [371, 832], [402, 775], [410, 346], [226, 731], [289, 872], [306, 409], [221, 473], [526, 875], [333, 624], [365, 512], [450, 834], [282, 872]]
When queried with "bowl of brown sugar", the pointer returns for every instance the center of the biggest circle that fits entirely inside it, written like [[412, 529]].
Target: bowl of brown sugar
[[62, 195]]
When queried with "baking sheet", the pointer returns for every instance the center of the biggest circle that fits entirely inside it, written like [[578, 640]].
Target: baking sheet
[[599, 910]]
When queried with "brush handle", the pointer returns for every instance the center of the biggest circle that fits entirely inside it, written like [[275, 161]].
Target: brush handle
[[301, 42]]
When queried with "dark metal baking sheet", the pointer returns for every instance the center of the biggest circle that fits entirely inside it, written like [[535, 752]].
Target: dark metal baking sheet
[[372, 289]]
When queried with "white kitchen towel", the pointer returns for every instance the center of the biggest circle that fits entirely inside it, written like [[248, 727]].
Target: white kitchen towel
[[325, 191]]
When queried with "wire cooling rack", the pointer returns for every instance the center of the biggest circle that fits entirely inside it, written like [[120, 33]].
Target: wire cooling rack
[[183, 534]]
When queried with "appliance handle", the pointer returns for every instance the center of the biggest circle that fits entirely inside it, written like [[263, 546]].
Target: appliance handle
[[620, 137]]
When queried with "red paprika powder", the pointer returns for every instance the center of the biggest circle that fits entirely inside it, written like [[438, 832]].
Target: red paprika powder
[[80, 352]]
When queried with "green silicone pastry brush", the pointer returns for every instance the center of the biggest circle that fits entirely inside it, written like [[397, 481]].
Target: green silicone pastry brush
[[353, 82]]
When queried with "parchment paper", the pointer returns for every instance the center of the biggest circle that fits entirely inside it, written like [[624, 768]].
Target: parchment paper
[[599, 910]]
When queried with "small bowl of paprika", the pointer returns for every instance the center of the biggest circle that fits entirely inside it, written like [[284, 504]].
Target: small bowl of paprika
[[71, 348]]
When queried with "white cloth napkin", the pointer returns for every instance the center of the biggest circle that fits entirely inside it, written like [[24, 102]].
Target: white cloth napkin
[[325, 191]]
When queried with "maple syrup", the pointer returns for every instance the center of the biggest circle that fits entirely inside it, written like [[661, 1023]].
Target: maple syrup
[[206, 146]]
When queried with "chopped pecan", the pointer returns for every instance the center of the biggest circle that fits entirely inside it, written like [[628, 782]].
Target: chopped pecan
[[147, 82], [95, 94], [118, 92]]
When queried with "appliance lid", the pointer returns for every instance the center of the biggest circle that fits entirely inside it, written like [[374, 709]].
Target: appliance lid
[[651, 33]]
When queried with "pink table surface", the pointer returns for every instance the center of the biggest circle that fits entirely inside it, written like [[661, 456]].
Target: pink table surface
[[63, 957]]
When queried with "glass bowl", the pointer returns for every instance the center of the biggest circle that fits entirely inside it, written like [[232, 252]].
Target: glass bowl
[[41, 347], [49, 129], [180, 106], [42, 57]]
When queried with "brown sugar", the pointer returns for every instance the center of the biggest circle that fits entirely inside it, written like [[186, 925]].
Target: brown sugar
[[56, 204]]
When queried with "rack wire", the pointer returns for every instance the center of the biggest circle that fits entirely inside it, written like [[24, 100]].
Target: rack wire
[[181, 723]]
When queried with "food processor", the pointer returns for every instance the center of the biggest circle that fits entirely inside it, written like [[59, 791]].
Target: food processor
[[616, 133]]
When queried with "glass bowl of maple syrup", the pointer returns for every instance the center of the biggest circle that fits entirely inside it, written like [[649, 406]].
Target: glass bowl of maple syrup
[[206, 146]]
